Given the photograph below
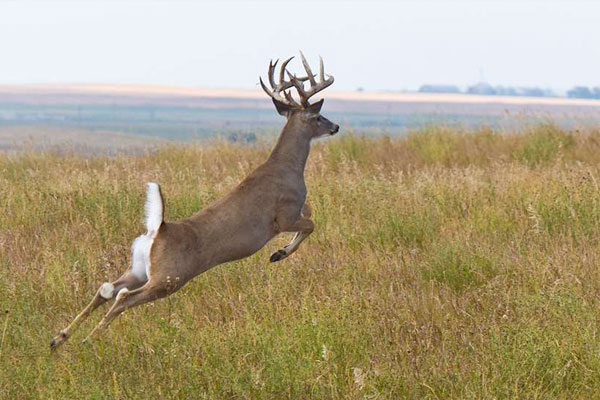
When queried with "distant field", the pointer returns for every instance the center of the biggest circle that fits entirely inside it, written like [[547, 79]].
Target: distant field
[[179, 113], [61, 140], [444, 264]]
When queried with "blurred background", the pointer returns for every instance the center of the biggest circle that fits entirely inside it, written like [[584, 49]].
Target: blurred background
[[126, 75]]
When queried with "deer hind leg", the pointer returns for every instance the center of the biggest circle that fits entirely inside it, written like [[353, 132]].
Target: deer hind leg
[[303, 228], [105, 292], [126, 299]]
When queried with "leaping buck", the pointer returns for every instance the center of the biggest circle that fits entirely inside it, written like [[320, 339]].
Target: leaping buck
[[271, 200]]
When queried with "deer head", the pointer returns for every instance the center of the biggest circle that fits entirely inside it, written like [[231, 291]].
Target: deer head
[[301, 112]]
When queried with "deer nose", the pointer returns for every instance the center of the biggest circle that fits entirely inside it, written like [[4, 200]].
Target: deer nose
[[335, 129]]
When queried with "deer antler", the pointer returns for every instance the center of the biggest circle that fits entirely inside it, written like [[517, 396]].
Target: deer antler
[[280, 91], [315, 86]]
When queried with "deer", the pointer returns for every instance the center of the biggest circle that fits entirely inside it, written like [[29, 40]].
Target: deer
[[271, 200]]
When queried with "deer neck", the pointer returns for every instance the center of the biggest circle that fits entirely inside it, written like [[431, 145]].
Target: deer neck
[[292, 148]]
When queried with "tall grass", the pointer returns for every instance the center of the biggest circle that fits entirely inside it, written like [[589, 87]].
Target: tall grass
[[443, 265]]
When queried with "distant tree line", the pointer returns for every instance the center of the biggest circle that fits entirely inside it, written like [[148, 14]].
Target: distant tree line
[[439, 89], [580, 92], [584, 92], [487, 89]]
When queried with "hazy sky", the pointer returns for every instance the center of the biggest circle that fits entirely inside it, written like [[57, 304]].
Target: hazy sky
[[390, 45]]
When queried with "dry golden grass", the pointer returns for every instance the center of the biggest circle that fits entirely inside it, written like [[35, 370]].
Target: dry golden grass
[[443, 265]]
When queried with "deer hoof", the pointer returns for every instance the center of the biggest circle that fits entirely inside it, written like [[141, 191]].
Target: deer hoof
[[278, 255], [57, 340]]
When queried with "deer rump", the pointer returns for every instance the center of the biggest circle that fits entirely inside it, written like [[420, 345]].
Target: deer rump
[[140, 249]]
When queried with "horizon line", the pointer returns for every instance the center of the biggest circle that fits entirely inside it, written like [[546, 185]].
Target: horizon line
[[154, 90]]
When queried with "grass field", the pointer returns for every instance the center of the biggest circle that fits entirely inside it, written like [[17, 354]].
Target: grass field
[[443, 265]]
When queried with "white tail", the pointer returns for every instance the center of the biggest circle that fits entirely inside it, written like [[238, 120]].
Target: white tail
[[140, 250], [154, 208]]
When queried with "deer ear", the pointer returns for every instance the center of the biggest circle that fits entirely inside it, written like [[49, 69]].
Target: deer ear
[[282, 108], [316, 107]]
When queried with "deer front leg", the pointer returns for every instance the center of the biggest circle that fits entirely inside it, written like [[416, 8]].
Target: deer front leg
[[303, 228]]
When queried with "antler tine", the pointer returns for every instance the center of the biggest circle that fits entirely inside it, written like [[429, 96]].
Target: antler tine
[[264, 87], [321, 69], [282, 82], [311, 77], [271, 71], [289, 98]]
